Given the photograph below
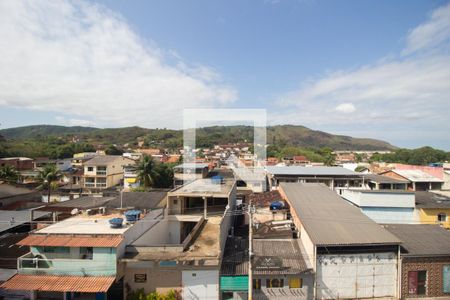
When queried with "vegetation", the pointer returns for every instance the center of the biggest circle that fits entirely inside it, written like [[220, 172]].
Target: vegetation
[[154, 174], [48, 179], [140, 295], [419, 156], [9, 174]]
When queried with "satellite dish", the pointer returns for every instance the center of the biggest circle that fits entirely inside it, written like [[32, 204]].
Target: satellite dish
[[74, 211]]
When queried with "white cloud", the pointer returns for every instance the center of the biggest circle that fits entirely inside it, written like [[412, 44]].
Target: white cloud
[[345, 108], [74, 122], [399, 92], [83, 60], [431, 33]]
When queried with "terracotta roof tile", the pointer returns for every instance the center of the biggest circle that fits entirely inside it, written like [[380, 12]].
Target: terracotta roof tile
[[59, 283], [71, 240]]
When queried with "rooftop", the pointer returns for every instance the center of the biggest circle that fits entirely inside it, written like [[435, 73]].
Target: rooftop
[[93, 224], [431, 200], [71, 240], [12, 218], [329, 220], [383, 179], [107, 159], [202, 187], [416, 175], [139, 200], [311, 171], [8, 190], [191, 166], [422, 240], [79, 203]]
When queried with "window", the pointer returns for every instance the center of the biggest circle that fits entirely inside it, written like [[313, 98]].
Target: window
[[417, 282], [56, 249], [274, 283], [295, 283], [256, 284], [140, 278], [90, 169], [442, 217], [86, 252]]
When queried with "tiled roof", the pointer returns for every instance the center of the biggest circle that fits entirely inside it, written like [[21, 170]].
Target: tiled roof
[[416, 175], [264, 199], [59, 283], [311, 171], [72, 240], [106, 159], [383, 179], [288, 250]]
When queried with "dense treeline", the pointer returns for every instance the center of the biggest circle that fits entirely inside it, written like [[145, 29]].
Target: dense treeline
[[419, 156]]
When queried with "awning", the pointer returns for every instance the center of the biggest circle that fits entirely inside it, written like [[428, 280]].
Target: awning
[[71, 241], [131, 180], [59, 283]]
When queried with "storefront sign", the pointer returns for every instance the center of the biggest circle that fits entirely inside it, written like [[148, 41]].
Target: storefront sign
[[268, 263]]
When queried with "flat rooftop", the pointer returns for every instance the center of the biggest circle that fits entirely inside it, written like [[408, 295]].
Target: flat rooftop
[[329, 220], [311, 171], [206, 246], [12, 218], [204, 187], [94, 224]]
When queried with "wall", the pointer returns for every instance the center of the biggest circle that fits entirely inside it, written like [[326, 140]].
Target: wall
[[429, 216], [433, 266], [103, 263], [200, 284], [359, 275], [305, 292], [380, 199], [390, 215]]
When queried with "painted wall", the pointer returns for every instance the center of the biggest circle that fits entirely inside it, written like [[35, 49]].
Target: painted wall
[[198, 284], [361, 275], [103, 263], [380, 199], [390, 215], [430, 216], [305, 292]]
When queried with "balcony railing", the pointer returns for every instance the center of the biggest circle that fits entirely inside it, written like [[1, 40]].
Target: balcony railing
[[28, 264], [89, 184], [101, 173]]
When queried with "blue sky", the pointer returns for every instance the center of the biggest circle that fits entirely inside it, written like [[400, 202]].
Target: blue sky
[[377, 69]]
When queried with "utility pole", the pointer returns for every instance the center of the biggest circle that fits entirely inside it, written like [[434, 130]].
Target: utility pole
[[251, 211]]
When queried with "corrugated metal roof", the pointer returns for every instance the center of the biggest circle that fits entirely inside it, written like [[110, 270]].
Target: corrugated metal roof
[[287, 250], [416, 175], [311, 171], [422, 240], [59, 283], [330, 220], [106, 159], [72, 240], [383, 179]]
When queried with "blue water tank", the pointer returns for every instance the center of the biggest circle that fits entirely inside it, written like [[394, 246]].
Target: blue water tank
[[132, 215], [116, 222], [277, 205]]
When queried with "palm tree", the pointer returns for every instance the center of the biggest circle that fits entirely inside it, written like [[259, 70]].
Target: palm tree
[[146, 171], [48, 178], [9, 174]]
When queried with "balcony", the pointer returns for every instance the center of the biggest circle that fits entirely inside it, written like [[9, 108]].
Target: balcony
[[101, 173], [30, 265]]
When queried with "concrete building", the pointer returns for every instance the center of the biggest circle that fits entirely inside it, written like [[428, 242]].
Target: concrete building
[[380, 182], [432, 208], [334, 177], [418, 179], [351, 255], [18, 163], [188, 172], [183, 248], [104, 171], [384, 206], [76, 258], [425, 261]]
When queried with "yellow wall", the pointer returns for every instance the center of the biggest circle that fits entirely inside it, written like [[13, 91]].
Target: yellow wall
[[429, 216]]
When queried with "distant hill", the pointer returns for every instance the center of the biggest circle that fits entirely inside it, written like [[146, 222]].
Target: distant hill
[[280, 135]]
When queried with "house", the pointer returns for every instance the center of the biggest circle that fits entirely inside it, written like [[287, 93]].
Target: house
[[130, 177], [12, 196], [381, 182], [384, 206], [156, 198], [446, 176], [351, 255], [418, 179], [300, 160], [104, 171], [76, 258], [183, 248], [188, 172], [18, 163], [334, 177], [433, 208], [425, 260]]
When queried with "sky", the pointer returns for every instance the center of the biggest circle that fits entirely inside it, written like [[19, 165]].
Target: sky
[[374, 69]]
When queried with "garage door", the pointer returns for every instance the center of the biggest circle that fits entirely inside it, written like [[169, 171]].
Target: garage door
[[356, 276]]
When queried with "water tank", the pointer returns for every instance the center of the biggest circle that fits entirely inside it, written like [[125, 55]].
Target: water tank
[[116, 222], [132, 215], [277, 205]]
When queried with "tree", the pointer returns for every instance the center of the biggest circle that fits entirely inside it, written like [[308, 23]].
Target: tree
[[48, 179], [164, 176], [113, 150], [146, 171], [9, 174]]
